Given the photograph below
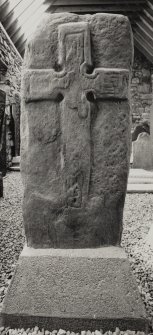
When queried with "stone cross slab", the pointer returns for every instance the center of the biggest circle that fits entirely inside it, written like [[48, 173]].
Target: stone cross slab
[[76, 85]]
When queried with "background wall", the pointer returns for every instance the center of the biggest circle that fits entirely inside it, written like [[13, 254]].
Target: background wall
[[10, 79], [141, 89]]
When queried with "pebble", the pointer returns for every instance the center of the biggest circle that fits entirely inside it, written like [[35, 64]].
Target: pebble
[[61, 332], [36, 329], [46, 332], [117, 331], [97, 332]]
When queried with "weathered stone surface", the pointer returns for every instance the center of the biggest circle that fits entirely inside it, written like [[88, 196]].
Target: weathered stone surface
[[74, 289], [76, 130], [143, 152]]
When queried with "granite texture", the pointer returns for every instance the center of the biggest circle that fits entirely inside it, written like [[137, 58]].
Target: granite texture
[[74, 289], [75, 128]]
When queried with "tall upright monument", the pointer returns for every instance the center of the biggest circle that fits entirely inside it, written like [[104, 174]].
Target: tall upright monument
[[75, 154]]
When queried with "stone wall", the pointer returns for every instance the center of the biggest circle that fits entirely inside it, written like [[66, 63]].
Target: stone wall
[[10, 79], [141, 89]]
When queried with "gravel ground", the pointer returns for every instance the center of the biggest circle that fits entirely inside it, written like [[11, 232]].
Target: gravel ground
[[137, 221], [11, 228]]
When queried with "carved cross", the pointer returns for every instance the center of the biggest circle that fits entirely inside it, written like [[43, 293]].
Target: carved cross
[[76, 84]]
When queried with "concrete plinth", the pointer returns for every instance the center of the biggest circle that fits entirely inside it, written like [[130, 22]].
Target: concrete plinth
[[75, 290]]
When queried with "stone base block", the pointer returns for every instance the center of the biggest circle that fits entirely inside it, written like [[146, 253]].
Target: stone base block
[[74, 289]]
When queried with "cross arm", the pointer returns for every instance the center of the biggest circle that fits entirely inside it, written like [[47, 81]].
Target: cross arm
[[107, 83], [43, 84]]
